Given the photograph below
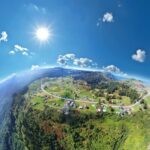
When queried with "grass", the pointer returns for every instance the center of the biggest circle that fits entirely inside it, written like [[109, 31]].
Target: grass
[[59, 86], [38, 103], [135, 139], [58, 102], [148, 100], [88, 130], [139, 132], [125, 100]]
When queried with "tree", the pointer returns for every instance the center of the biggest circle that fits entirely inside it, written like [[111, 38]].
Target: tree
[[145, 106], [68, 93], [107, 97]]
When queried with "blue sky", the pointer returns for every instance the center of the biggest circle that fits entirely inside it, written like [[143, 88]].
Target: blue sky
[[107, 32]]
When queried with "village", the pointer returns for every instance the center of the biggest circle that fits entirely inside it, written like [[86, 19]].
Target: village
[[66, 95]]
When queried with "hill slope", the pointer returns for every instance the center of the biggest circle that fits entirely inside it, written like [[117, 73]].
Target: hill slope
[[73, 109]]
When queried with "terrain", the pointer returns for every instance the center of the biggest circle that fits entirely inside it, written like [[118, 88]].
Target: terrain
[[74, 109]]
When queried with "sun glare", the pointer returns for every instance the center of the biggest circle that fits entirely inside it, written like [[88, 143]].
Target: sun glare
[[43, 34]]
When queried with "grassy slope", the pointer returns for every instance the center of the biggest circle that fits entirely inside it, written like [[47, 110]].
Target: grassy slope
[[38, 126], [39, 129]]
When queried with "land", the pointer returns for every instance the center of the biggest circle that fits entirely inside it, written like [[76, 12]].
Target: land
[[66, 113], [77, 94]]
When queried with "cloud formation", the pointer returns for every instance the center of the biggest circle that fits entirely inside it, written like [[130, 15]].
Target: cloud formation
[[70, 56], [36, 8], [35, 67], [4, 36], [114, 69], [139, 56], [82, 62], [19, 49], [11, 52], [108, 17], [71, 59], [99, 22], [25, 53], [62, 60]]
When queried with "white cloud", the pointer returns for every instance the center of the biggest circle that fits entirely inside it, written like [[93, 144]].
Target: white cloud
[[108, 17], [139, 56], [112, 68], [4, 36], [82, 62], [61, 60], [71, 59], [20, 48], [25, 53], [35, 67], [36, 8], [64, 59], [99, 22], [70, 56], [11, 52]]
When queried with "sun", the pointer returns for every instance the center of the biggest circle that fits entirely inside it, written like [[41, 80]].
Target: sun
[[43, 34]]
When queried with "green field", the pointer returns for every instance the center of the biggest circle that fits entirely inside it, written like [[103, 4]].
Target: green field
[[79, 130], [41, 124]]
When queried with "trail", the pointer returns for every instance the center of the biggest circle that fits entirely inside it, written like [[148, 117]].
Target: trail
[[63, 98], [107, 105]]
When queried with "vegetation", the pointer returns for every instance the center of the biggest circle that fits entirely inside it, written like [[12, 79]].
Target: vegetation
[[50, 129], [38, 122], [121, 88]]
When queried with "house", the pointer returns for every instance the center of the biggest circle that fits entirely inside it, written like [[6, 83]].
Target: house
[[68, 102], [98, 110], [80, 107], [71, 104], [104, 109]]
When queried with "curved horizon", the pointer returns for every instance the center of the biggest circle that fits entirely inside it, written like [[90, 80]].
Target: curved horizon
[[124, 77]]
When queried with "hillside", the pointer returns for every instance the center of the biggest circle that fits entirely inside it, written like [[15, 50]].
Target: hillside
[[82, 111]]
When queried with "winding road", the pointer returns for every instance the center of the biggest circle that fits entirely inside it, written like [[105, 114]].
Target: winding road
[[107, 105], [56, 96]]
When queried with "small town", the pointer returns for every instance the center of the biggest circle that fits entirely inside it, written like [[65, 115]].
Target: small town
[[74, 95]]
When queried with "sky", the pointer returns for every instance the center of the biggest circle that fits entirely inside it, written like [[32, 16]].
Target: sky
[[109, 34]]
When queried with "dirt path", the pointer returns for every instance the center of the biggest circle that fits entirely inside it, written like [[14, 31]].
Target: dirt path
[[110, 105]]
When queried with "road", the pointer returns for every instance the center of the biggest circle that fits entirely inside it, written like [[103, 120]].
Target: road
[[110, 105], [59, 97], [137, 102]]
